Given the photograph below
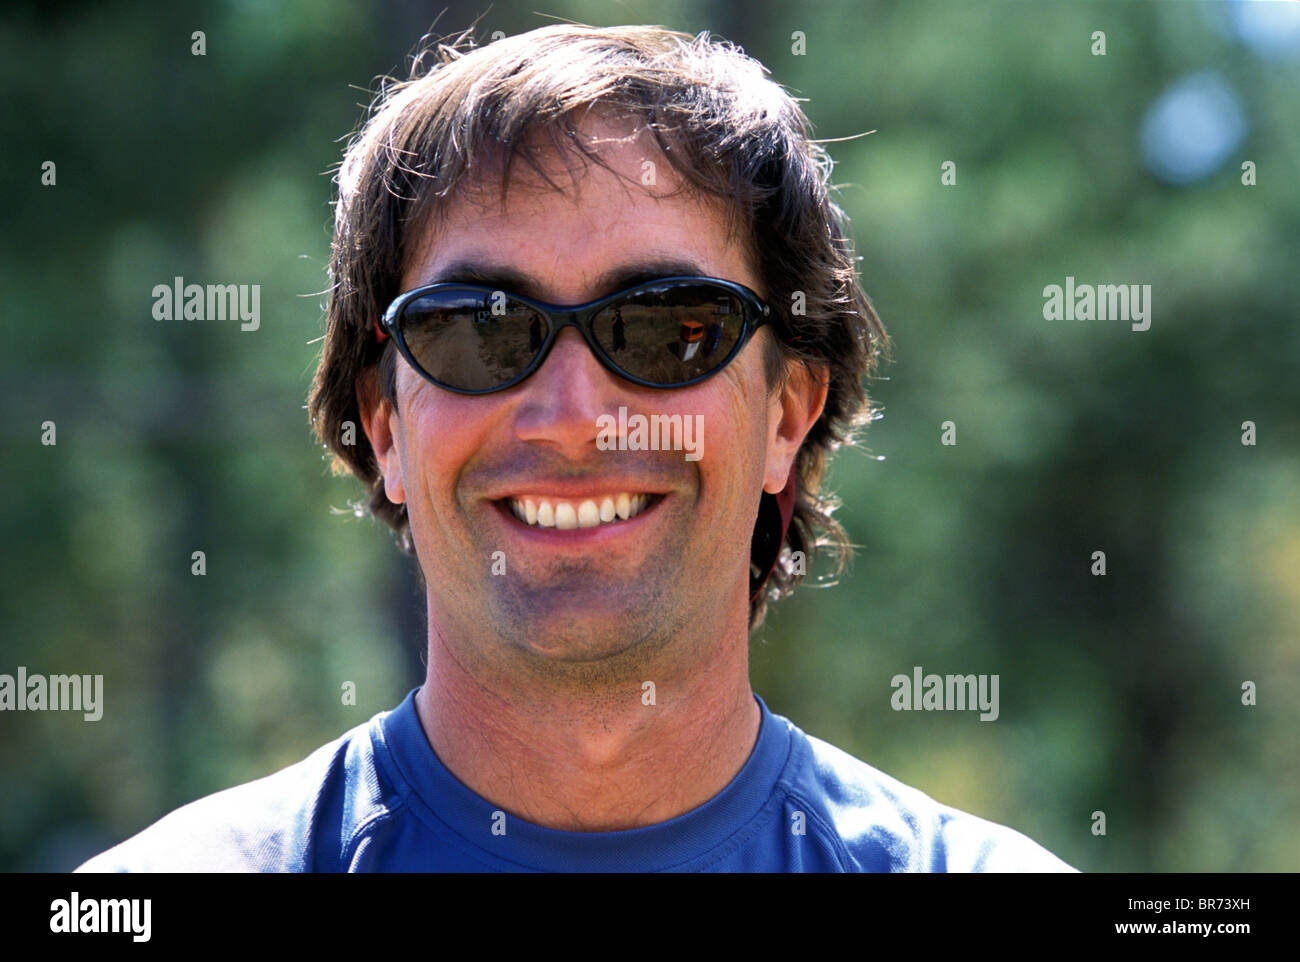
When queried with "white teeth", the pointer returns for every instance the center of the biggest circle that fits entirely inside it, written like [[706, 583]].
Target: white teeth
[[566, 515], [566, 519]]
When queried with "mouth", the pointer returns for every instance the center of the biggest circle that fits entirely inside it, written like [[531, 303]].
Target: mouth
[[539, 510]]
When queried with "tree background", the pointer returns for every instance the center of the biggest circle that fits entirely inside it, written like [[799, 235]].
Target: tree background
[[1120, 694]]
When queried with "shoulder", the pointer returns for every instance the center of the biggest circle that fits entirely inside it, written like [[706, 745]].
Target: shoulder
[[880, 824], [298, 819]]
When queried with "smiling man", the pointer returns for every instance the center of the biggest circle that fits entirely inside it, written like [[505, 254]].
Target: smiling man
[[535, 237]]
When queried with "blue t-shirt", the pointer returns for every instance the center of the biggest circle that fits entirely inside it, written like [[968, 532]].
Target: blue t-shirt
[[378, 799]]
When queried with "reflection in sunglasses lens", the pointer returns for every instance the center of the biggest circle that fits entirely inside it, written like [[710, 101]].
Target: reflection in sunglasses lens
[[473, 340], [671, 335]]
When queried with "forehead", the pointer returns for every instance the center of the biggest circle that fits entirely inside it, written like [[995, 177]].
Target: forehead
[[586, 231]]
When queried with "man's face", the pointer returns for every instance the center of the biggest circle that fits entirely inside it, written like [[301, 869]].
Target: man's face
[[585, 593]]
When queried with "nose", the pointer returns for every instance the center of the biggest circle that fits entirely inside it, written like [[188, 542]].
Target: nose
[[562, 400]]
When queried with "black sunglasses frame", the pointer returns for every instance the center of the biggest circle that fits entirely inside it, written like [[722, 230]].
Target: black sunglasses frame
[[581, 316]]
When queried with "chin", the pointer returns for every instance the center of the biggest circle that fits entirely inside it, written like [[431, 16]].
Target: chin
[[554, 629], [581, 648]]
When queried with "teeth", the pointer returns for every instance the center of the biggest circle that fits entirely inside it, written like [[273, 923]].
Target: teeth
[[566, 515], [566, 519]]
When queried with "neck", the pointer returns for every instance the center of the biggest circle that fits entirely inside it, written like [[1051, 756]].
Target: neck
[[609, 755]]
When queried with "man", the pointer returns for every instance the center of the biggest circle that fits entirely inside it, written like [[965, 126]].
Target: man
[[587, 704]]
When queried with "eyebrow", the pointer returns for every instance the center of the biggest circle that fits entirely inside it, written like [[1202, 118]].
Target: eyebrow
[[515, 281]]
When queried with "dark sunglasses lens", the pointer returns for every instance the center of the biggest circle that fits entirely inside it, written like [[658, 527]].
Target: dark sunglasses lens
[[672, 334], [472, 340]]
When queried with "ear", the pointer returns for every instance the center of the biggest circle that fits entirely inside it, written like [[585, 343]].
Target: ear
[[380, 422], [791, 414]]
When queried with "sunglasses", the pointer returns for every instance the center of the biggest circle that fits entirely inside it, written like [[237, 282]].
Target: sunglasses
[[666, 333]]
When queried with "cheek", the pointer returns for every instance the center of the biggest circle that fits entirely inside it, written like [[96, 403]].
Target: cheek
[[441, 434], [734, 428], [747, 408]]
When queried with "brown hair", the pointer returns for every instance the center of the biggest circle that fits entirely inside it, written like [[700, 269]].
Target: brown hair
[[728, 131]]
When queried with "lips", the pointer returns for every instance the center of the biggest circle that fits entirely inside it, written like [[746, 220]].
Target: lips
[[566, 514]]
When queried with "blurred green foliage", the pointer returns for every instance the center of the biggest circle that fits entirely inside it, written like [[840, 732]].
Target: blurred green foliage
[[1119, 694]]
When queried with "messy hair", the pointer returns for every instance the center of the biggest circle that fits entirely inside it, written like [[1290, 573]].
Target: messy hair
[[729, 132]]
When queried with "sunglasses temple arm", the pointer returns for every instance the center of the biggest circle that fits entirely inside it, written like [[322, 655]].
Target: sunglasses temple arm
[[380, 334]]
